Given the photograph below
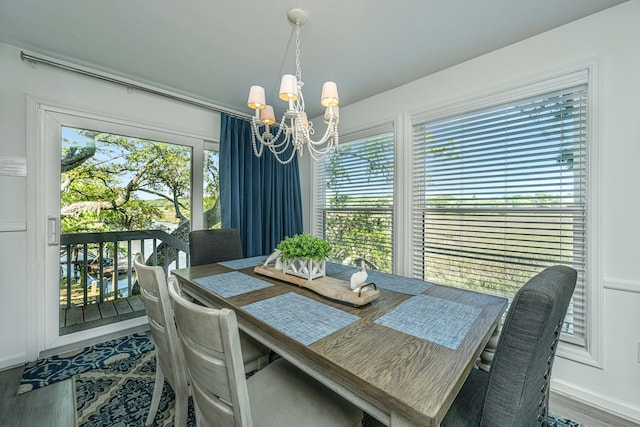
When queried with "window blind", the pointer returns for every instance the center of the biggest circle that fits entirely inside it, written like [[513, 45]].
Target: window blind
[[501, 193], [355, 199]]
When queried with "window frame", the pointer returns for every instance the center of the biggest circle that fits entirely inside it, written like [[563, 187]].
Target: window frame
[[591, 352]]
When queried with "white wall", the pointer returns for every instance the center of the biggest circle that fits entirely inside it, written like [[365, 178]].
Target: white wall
[[18, 80], [611, 39]]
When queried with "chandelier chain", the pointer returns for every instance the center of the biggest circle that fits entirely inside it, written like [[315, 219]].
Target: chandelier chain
[[298, 67]]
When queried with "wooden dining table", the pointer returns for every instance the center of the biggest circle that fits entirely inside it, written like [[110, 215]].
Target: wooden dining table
[[401, 378]]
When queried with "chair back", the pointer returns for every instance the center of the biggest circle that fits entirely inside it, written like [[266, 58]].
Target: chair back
[[209, 246], [211, 346], [155, 296], [518, 390]]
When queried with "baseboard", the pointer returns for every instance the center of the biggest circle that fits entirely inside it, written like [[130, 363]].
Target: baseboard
[[12, 360], [590, 409]]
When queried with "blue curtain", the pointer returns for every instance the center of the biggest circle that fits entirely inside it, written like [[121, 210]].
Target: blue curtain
[[258, 195]]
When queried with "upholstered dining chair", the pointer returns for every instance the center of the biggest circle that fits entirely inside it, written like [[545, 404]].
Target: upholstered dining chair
[[224, 244], [169, 361], [515, 392], [209, 246], [278, 395]]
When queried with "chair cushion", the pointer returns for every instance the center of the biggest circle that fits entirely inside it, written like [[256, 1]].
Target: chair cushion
[[281, 395], [466, 409]]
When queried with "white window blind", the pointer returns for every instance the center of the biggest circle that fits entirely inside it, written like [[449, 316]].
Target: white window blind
[[355, 199], [499, 194]]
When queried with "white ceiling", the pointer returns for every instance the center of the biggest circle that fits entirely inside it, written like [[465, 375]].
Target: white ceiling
[[214, 50]]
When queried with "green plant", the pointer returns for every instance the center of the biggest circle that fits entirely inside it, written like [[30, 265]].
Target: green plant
[[304, 246]]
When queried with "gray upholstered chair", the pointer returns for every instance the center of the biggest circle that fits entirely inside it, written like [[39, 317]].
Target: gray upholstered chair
[[515, 392], [278, 395], [209, 246], [169, 362]]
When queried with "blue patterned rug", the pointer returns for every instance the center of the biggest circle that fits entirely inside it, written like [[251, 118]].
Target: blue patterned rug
[[57, 368], [120, 395]]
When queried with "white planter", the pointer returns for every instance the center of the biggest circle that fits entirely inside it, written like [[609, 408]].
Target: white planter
[[307, 268]]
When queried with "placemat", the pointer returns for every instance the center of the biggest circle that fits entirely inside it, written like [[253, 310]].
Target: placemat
[[440, 321], [405, 285], [231, 284], [335, 270], [237, 264], [299, 317]]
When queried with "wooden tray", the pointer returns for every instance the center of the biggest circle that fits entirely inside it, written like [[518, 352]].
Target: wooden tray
[[329, 287]]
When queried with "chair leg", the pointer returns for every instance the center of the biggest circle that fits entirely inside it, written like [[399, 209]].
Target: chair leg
[[181, 408], [157, 394]]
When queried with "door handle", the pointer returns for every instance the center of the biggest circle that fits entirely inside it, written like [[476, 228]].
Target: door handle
[[52, 231]]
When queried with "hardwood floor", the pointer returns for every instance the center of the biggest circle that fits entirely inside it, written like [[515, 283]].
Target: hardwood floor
[[50, 406]]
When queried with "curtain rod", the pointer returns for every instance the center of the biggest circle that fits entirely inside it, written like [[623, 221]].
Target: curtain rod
[[86, 72]]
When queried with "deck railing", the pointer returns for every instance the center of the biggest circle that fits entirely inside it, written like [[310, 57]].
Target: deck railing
[[94, 265]]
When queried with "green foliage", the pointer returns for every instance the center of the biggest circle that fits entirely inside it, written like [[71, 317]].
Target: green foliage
[[358, 221], [125, 183], [304, 246]]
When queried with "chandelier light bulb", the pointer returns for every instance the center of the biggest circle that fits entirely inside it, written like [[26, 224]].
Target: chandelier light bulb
[[289, 88], [256, 98], [329, 94], [267, 116], [304, 121]]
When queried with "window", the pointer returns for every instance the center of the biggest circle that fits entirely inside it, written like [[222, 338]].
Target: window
[[355, 200], [501, 193], [211, 187]]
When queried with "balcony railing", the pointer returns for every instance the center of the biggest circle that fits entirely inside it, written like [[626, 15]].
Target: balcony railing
[[98, 267]]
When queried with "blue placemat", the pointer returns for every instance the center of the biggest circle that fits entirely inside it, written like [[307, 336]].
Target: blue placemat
[[340, 270], [440, 321], [231, 284], [237, 264], [301, 318], [405, 285]]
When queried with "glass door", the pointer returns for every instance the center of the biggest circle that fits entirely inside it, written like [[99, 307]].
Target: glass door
[[113, 190]]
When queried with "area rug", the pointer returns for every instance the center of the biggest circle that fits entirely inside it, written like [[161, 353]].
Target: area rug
[[57, 368], [120, 395]]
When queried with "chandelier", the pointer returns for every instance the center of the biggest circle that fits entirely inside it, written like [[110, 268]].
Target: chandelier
[[294, 128]]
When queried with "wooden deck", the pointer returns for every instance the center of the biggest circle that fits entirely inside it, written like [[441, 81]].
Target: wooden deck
[[79, 318]]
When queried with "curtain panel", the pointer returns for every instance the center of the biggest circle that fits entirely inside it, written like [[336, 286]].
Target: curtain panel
[[258, 195]]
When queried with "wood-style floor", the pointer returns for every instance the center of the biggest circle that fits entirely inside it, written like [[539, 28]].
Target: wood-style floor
[[50, 406]]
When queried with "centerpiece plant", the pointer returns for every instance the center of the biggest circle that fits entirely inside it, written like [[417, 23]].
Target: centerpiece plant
[[304, 255]]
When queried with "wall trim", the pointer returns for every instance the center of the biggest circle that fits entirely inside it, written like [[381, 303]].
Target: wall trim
[[12, 361], [590, 401], [622, 285]]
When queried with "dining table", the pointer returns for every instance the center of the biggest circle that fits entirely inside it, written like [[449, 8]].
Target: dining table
[[402, 358]]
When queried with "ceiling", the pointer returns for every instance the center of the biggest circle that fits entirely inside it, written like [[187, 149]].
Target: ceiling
[[214, 50]]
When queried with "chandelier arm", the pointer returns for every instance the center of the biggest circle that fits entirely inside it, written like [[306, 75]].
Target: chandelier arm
[[258, 152], [318, 155], [269, 142], [331, 129]]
